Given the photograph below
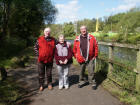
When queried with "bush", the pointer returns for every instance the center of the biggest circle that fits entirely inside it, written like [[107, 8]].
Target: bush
[[134, 39], [11, 47]]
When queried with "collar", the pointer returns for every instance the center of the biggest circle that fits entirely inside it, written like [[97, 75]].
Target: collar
[[63, 44], [85, 36], [48, 38]]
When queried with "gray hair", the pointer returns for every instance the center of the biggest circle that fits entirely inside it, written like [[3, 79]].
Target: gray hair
[[83, 26], [60, 36]]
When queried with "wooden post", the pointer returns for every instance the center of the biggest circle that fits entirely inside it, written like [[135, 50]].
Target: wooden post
[[110, 66], [138, 71]]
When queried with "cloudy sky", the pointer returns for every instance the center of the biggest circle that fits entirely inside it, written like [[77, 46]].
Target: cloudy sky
[[71, 10]]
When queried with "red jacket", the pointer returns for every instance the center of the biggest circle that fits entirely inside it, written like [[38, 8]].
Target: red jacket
[[46, 49], [92, 49]]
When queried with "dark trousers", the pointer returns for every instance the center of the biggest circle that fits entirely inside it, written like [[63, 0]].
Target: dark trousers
[[89, 67], [45, 68]]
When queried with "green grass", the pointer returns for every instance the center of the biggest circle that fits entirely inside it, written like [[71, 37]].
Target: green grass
[[10, 91], [98, 34], [19, 60], [121, 83], [131, 38], [130, 98], [75, 61]]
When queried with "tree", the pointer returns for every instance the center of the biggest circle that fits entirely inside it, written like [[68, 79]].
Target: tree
[[68, 30], [90, 24], [129, 23], [4, 18], [56, 29], [25, 18]]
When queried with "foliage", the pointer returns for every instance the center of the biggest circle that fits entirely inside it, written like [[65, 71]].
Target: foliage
[[124, 95], [91, 24], [56, 29], [126, 92], [24, 18], [70, 38], [135, 39], [126, 25], [68, 29], [120, 82], [20, 23], [15, 60], [10, 91]]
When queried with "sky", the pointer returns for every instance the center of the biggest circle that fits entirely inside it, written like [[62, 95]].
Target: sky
[[73, 10]]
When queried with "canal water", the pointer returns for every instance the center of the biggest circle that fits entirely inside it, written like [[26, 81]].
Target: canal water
[[123, 55]]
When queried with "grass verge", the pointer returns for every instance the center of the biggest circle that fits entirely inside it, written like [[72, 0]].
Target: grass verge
[[129, 98], [10, 92]]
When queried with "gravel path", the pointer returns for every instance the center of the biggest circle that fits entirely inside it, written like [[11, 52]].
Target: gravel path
[[27, 77]]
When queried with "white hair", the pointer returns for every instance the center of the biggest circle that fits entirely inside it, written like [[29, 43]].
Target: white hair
[[60, 36], [83, 26], [47, 29]]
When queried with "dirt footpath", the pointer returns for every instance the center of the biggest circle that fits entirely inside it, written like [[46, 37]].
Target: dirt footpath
[[27, 77]]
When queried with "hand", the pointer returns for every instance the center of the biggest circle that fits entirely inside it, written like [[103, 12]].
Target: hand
[[60, 62], [65, 62], [68, 43], [94, 58]]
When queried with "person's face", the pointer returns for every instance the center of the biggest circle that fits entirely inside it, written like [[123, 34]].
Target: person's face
[[47, 32], [61, 40], [83, 30]]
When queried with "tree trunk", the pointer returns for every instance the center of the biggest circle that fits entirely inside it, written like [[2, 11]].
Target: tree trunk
[[3, 73], [6, 13]]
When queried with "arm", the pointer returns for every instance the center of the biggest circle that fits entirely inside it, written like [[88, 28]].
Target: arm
[[36, 48], [74, 49], [70, 53], [96, 48], [59, 59], [56, 55]]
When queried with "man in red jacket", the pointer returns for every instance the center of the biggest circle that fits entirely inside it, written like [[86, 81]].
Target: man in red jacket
[[85, 50], [44, 49]]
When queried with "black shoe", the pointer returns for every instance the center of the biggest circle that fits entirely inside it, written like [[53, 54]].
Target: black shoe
[[80, 86], [94, 87], [86, 83]]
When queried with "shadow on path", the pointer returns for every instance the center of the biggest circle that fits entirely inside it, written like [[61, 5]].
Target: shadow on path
[[28, 79]]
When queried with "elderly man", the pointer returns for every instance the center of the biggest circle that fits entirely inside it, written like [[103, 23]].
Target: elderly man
[[44, 49], [85, 50]]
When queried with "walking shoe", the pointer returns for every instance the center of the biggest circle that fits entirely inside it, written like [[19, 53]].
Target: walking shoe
[[66, 87], [81, 84], [60, 88], [41, 88], [50, 87], [94, 87]]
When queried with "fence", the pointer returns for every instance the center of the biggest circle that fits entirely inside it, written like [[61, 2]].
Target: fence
[[110, 60]]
